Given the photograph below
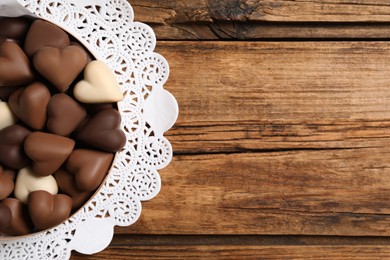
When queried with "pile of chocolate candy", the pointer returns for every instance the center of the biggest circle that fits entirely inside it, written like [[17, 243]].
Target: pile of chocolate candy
[[59, 126]]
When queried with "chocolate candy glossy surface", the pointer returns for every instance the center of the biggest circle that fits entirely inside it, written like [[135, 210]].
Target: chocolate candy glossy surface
[[15, 68], [44, 34], [12, 153]]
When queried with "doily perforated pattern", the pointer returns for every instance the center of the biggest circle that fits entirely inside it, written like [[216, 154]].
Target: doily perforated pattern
[[107, 29]]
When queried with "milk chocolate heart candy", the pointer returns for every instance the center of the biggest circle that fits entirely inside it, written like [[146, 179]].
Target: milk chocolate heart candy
[[10, 173], [60, 66], [99, 85], [67, 184], [27, 181], [15, 68], [6, 184], [14, 28], [102, 131], [20, 223], [89, 168], [5, 217], [11, 146], [7, 117], [47, 151], [44, 34], [64, 114], [47, 210], [30, 104]]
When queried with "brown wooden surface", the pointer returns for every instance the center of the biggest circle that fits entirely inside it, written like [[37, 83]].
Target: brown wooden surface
[[282, 146]]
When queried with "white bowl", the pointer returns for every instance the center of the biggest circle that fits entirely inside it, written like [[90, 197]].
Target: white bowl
[[107, 29]]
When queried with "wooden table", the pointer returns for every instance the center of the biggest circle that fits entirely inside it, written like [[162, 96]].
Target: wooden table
[[282, 147]]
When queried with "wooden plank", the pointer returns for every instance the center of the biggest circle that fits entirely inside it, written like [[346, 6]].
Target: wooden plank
[[182, 11], [278, 96], [242, 252], [246, 19]]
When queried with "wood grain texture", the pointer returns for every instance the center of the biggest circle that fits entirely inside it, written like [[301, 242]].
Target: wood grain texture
[[276, 138], [317, 193], [262, 10], [238, 97], [248, 19]]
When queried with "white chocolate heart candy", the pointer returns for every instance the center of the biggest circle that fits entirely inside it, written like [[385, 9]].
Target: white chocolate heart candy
[[7, 118], [27, 182], [99, 85]]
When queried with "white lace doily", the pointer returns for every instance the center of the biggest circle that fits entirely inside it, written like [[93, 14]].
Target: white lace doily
[[107, 29]]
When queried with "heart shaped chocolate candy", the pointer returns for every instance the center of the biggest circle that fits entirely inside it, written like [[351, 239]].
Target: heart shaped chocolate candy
[[11, 146], [47, 210], [5, 217], [14, 28], [27, 181], [64, 114], [47, 151], [6, 184], [60, 66], [20, 223], [67, 184], [102, 131], [99, 85], [30, 104], [44, 34], [89, 168], [15, 68]]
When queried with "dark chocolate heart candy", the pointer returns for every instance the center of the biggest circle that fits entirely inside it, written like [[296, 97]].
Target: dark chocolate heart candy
[[5, 217], [6, 184], [14, 28], [30, 104], [20, 223], [47, 210], [44, 34], [47, 151], [102, 131], [60, 66], [67, 184], [64, 114], [15, 68], [11, 146], [89, 168]]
